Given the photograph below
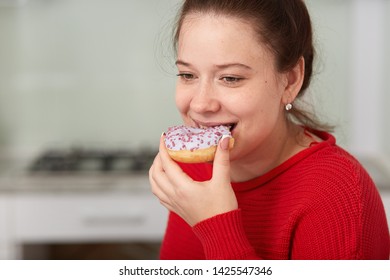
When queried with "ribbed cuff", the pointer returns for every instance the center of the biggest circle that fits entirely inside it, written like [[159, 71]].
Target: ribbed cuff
[[223, 237]]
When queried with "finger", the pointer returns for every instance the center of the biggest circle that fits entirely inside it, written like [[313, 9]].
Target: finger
[[170, 167], [158, 181], [221, 168], [159, 194], [163, 153]]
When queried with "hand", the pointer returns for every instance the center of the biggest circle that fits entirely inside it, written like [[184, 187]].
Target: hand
[[193, 201]]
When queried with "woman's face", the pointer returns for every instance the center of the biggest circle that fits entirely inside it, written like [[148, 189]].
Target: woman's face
[[226, 76]]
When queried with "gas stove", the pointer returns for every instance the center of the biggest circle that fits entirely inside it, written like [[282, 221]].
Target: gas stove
[[78, 160]]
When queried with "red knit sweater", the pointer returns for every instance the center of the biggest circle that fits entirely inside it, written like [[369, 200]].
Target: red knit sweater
[[319, 204]]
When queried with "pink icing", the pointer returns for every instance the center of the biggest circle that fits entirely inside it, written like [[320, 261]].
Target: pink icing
[[193, 138]]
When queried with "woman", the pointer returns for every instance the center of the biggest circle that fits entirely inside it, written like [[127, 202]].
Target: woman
[[286, 190]]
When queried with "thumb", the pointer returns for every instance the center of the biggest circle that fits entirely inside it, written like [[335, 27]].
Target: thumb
[[221, 168]]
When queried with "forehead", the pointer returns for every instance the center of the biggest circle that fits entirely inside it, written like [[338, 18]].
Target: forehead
[[220, 36], [214, 22]]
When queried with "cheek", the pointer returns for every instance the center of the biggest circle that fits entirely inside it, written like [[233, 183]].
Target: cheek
[[182, 102], [259, 109]]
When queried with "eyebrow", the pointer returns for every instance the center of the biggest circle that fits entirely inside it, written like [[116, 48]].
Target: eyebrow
[[221, 66]]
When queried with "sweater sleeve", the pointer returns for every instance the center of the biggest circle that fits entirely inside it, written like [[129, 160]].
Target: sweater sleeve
[[326, 233], [343, 221], [223, 237]]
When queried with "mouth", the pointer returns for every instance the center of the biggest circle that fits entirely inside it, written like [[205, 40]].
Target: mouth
[[230, 126]]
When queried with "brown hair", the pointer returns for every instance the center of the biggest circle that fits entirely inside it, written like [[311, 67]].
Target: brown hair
[[283, 25]]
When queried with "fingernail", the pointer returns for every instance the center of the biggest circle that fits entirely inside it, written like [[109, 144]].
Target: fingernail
[[162, 134], [224, 142]]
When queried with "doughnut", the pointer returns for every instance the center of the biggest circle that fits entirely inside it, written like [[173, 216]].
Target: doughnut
[[193, 144]]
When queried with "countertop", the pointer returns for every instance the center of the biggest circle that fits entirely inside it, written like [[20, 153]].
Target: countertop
[[15, 177], [75, 183]]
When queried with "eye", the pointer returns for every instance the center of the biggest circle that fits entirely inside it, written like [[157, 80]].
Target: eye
[[231, 79], [186, 76]]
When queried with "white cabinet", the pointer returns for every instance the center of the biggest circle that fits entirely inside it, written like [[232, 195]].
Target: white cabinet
[[8, 249], [3, 227], [386, 202], [48, 217], [88, 217]]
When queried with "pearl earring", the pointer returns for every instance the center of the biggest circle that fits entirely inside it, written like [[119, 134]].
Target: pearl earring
[[288, 106]]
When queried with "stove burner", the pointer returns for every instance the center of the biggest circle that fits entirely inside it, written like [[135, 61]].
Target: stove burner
[[81, 160]]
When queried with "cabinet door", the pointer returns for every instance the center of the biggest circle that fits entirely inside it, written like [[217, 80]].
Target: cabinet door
[[3, 229], [7, 245], [386, 202], [89, 217]]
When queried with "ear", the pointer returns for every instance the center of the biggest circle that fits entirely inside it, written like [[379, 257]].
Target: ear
[[294, 81]]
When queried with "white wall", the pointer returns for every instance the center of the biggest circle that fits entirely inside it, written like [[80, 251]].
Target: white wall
[[351, 88], [85, 72], [330, 88], [387, 83], [368, 71]]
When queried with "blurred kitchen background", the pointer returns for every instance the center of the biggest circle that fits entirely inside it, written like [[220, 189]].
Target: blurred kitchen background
[[87, 87]]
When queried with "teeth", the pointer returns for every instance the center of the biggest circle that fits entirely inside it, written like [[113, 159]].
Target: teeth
[[229, 126], [232, 126], [206, 127]]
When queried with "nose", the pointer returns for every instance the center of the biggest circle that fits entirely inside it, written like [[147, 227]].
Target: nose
[[205, 100]]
